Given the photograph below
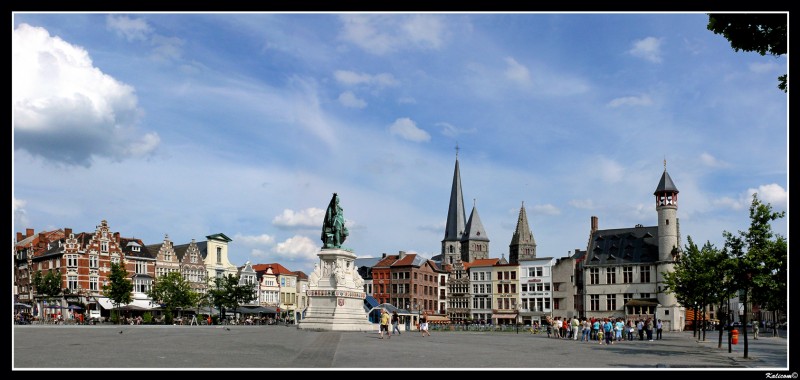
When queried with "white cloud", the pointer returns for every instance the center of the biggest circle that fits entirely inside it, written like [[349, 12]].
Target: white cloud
[[167, 48], [642, 100], [382, 34], [298, 247], [131, 29], [583, 204], [765, 67], [65, 109], [772, 193], [648, 48], [450, 130], [348, 99], [407, 129], [310, 217], [607, 170], [352, 78], [20, 214], [425, 31], [407, 100], [517, 72], [709, 160], [254, 240], [547, 209]]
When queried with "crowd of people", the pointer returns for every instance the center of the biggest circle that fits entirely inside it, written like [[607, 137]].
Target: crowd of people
[[604, 331]]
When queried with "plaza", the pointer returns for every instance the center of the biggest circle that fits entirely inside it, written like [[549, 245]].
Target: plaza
[[43, 347]]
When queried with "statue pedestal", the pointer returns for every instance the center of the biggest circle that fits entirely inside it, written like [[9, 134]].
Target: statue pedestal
[[336, 295]]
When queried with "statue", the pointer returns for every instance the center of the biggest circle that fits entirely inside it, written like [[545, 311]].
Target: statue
[[333, 230], [313, 279]]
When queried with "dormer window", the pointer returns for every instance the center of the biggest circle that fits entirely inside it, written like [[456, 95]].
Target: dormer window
[[135, 248]]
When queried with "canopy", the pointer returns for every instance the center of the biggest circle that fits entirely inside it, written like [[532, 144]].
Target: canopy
[[22, 305], [137, 304], [208, 310], [256, 310]]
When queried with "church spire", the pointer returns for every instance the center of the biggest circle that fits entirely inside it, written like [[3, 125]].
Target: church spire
[[456, 219], [523, 245]]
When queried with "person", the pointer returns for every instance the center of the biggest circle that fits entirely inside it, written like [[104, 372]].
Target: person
[[209, 319], [640, 328], [385, 323], [395, 323], [755, 330], [423, 324], [648, 326], [659, 328], [575, 327]]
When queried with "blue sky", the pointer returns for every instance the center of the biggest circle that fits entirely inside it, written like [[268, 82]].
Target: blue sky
[[245, 124]]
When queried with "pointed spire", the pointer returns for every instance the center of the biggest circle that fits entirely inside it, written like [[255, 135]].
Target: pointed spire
[[474, 229], [665, 184], [522, 234], [455, 212]]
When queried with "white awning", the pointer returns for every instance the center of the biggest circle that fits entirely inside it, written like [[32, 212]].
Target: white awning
[[144, 304]]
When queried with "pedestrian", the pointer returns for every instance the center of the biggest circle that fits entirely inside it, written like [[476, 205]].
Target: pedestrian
[[385, 323], [640, 328], [630, 327], [648, 327], [755, 329], [423, 324], [659, 328], [395, 322], [618, 326], [575, 327]]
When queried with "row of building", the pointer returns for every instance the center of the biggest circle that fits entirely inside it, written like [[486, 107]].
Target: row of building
[[619, 274]]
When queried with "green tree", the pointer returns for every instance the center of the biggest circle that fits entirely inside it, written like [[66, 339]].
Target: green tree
[[174, 292], [119, 289], [760, 272], [763, 33], [701, 277], [229, 293], [48, 285]]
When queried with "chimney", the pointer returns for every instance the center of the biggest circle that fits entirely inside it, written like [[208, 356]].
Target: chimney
[[116, 237], [401, 255], [594, 224], [19, 237], [67, 232], [28, 232], [42, 241], [383, 256]]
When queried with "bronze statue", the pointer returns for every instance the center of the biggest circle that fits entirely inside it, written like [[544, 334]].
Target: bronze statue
[[333, 230]]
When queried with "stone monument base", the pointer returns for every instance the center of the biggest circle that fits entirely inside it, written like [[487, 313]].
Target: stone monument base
[[335, 295]]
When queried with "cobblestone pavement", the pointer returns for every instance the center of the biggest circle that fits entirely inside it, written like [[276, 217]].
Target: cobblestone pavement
[[280, 347]]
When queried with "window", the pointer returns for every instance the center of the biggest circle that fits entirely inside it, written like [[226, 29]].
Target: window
[[499, 288], [627, 274], [523, 287], [72, 282], [644, 295], [611, 275], [514, 275], [482, 276], [594, 302], [141, 267], [475, 276], [513, 288], [594, 276], [72, 261], [645, 274], [611, 302], [93, 283], [535, 272], [499, 275], [626, 297], [104, 247], [93, 261], [219, 255], [475, 288]]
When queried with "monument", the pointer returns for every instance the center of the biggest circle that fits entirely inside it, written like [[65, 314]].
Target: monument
[[335, 289]]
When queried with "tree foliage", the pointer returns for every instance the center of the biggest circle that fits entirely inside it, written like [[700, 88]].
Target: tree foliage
[[119, 289], [229, 293], [763, 33], [761, 256], [48, 285], [174, 292]]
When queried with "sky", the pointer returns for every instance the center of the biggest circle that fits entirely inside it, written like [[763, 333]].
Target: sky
[[191, 124]]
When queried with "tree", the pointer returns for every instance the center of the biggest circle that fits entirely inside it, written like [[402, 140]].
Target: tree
[[763, 33], [119, 289], [230, 294], [760, 272], [48, 286], [174, 292], [701, 277]]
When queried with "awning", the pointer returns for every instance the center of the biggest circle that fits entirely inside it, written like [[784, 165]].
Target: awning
[[256, 310], [137, 304], [438, 319], [643, 302]]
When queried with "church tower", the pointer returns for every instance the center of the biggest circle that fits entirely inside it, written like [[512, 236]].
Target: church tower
[[668, 247], [474, 241], [454, 229], [523, 246]]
